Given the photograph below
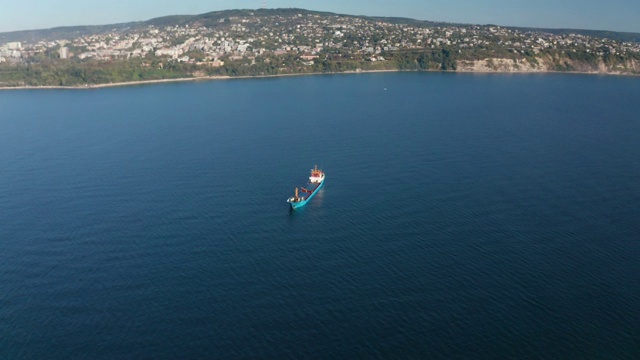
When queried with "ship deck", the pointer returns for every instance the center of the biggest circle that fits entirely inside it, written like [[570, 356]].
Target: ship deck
[[308, 186]]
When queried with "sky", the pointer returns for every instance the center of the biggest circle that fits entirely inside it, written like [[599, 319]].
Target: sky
[[615, 15]]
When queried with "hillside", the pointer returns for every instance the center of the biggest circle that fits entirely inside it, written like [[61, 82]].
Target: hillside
[[293, 41], [212, 18]]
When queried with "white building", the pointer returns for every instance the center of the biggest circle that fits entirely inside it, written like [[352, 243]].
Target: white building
[[173, 52], [64, 52]]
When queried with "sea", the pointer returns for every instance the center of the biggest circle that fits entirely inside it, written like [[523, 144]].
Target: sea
[[464, 216]]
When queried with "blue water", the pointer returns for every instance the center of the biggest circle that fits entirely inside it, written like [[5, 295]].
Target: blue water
[[463, 216]]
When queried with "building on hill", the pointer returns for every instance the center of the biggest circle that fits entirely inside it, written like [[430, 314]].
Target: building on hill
[[64, 53]]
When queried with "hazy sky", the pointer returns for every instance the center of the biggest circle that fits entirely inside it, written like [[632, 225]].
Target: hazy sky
[[617, 15]]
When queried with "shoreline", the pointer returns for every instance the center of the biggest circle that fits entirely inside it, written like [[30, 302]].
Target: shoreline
[[214, 78], [189, 79]]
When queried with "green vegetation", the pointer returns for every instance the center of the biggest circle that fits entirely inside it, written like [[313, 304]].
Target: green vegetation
[[441, 59], [51, 72], [68, 73], [54, 72]]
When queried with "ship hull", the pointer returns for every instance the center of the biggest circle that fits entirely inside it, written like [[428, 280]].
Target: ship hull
[[299, 204]]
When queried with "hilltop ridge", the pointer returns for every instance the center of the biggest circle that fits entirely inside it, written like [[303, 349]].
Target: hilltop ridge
[[173, 20]]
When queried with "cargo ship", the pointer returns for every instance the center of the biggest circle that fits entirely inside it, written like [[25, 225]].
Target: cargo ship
[[302, 197]]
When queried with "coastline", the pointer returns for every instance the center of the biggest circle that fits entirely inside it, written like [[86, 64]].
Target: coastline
[[213, 78], [189, 79]]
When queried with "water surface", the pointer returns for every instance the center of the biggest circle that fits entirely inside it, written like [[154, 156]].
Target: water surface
[[463, 216]]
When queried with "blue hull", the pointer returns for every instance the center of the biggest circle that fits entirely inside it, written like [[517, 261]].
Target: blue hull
[[295, 205]]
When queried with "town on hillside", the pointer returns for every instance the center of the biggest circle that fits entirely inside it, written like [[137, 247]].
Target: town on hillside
[[307, 39]]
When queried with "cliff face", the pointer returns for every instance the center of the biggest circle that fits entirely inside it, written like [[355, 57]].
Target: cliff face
[[500, 65], [548, 63]]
